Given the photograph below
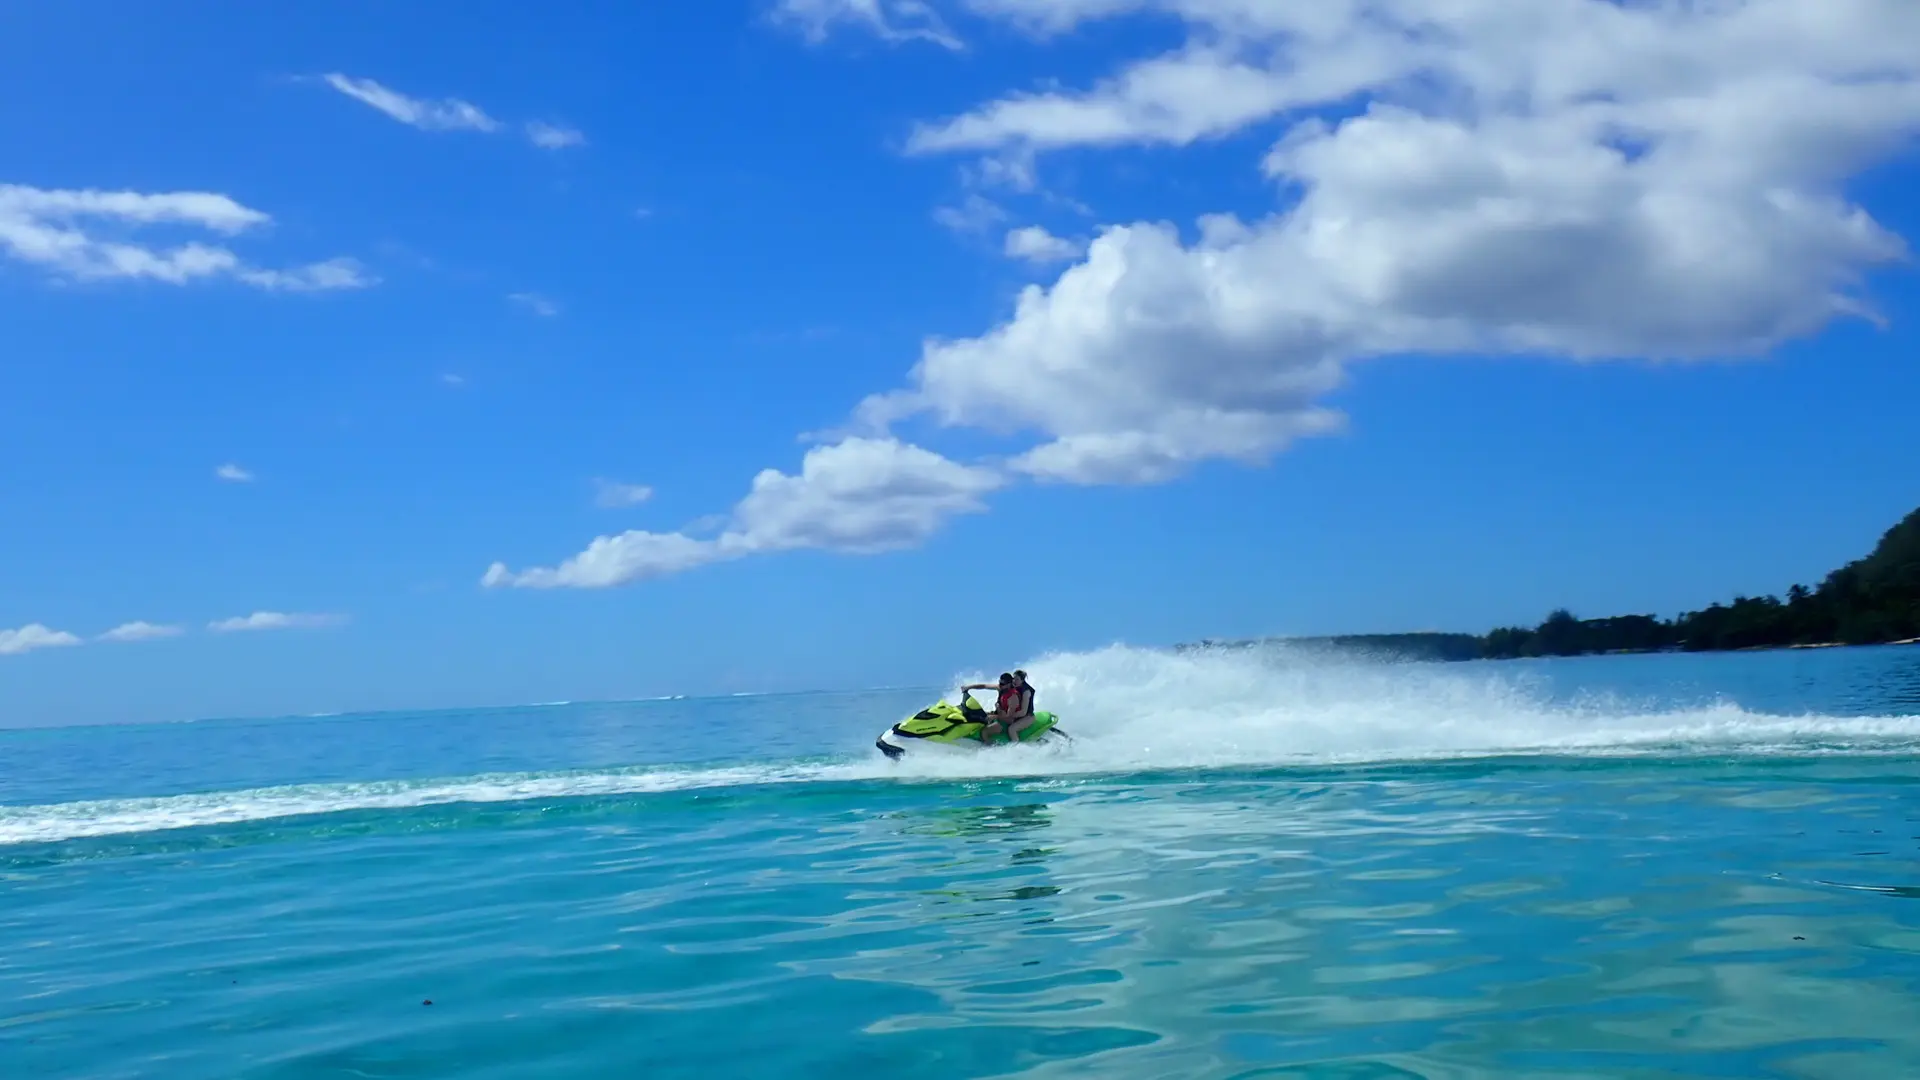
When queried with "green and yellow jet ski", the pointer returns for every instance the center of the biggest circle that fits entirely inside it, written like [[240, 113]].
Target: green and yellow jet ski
[[942, 727]]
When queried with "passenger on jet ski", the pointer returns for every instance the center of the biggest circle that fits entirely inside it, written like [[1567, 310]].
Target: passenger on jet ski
[[1013, 712]]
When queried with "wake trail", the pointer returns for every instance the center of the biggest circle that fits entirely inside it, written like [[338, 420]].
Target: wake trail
[[1129, 711]]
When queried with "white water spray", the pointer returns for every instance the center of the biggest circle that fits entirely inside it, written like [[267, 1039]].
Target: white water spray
[[1129, 710]]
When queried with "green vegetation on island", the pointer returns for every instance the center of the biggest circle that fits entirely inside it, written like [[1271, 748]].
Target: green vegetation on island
[[1874, 600]]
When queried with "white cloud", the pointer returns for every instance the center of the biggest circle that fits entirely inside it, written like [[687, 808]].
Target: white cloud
[[1252, 60], [315, 277], [205, 209], [1582, 179], [1176, 99], [450, 379], [450, 114], [976, 213], [141, 631], [447, 114], [1036, 244], [60, 231], [535, 303], [890, 20], [613, 494], [859, 495], [33, 636], [233, 474], [274, 620], [618, 560], [549, 137]]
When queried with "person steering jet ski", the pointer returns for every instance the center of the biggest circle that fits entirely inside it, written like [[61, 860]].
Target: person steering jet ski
[[968, 727], [1013, 711]]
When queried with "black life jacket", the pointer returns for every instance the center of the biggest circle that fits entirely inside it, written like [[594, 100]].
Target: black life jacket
[[1009, 704]]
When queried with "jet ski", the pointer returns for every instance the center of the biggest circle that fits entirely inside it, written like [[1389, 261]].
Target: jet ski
[[942, 727]]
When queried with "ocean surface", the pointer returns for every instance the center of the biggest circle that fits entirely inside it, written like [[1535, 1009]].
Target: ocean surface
[[1272, 863]]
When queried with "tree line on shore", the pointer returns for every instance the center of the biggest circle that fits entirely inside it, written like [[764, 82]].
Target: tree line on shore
[[1871, 600], [1868, 601]]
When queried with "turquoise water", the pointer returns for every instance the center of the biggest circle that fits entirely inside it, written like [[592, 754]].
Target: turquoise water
[[1271, 865]]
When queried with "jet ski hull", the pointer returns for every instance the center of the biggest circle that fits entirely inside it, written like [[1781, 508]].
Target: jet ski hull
[[945, 730]]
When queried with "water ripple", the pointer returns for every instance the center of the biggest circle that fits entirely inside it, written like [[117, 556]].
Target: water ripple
[[1717, 921]]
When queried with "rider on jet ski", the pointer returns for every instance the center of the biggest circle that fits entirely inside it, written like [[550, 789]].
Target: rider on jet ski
[[1014, 709]]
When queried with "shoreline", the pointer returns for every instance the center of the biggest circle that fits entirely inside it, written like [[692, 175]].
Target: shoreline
[[1871, 601], [1430, 647]]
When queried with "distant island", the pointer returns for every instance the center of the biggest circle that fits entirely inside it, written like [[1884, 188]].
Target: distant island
[[1870, 601]]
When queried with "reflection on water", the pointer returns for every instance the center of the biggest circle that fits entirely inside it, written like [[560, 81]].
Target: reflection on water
[[978, 820], [993, 821]]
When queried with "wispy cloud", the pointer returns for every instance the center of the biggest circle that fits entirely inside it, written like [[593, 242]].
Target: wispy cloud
[[976, 213], [141, 631], [892, 20], [535, 303], [33, 636], [315, 277], [450, 379], [56, 230], [613, 494], [274, 620], [549, 137], [447, 114], [233, 474]]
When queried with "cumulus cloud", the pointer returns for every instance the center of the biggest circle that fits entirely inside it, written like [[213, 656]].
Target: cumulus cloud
[[859, 495], [274, 620], [80, 235], [1577, 179], [1036, 244], [613, 494], [33, 636], [890, 20], [141, 631], [450, 114], [1580, 179], [233, 474]]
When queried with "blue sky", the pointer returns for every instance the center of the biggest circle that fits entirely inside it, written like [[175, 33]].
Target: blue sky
[[1501, 323]]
